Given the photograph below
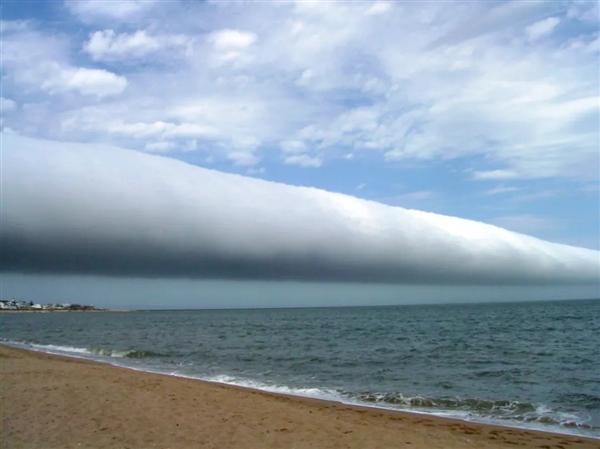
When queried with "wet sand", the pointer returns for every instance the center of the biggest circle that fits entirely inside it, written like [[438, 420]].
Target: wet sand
[[57, 402]]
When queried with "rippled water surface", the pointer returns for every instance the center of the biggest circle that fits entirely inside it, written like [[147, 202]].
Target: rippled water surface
[[521, 364]]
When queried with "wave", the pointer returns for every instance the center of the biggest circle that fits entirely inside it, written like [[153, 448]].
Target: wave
[[508, 413], [131, 354], [446, 403], [587, 401], [105, 352], [505, 412], [306, 392]]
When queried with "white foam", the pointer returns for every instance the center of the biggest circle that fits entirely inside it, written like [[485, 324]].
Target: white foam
[[69, 349], [73, 351], [536, 421]]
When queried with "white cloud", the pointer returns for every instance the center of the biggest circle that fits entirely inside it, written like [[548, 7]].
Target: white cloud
[[10, 26], [232, 39], [122, 10], [535, 196], [330, 77], [495, 174], [231, 46], [542, 28], [142, 130], [585, 44], [100, 210], [7, 105], [108, 45], [305, 78], [481, 20], [501, 189], [100, 83], [34, 62], [583, 11], [159, 147], [293, 146], [243, 158], [256, 171], [379, 8], [303, 160]]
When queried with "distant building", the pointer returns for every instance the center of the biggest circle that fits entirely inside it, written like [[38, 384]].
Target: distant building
[[6, 305], [23, 305]]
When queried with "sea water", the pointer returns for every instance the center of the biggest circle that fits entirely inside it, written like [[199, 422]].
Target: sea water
[[529, 364]]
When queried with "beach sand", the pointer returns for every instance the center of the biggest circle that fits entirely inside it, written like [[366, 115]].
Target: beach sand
[[57, 402]]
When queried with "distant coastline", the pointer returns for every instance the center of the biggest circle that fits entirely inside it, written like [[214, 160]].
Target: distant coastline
[[15, 306], [62, 311]]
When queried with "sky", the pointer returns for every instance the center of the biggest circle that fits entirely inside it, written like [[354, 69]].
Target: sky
[[225, 154]]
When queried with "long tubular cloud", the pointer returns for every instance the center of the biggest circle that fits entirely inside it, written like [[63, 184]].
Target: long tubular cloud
[[90, 209]]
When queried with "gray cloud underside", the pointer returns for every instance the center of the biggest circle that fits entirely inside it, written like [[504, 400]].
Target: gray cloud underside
[[88, 209]]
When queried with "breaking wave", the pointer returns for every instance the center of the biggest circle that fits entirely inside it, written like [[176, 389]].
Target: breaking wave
[[131, 354], [511, 413], [506, 410], [75, 351]]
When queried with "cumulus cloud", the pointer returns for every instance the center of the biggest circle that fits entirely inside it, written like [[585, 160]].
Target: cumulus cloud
[[295, 152], [243, 158], [98, 82], [421, 81], [231, 46], [108, 45], [89, 209], [232, 39], [542, 28], [35, 63]]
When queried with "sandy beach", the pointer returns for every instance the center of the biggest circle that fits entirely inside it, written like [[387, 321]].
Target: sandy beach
[[57, 402]]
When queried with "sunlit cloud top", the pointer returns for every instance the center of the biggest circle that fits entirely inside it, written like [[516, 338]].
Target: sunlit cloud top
[[90, 209], [483, 110]]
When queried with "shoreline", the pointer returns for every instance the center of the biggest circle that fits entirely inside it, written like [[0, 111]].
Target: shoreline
[[64, 311], [112, 360], [103, 405]]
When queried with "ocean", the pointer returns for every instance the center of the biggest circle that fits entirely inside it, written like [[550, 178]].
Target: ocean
[[530, 364]]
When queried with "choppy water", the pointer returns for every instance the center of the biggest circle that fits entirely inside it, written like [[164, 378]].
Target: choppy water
[[534, 365]]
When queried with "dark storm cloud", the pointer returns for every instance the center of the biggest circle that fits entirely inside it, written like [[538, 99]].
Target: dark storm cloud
[[82, 209]]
